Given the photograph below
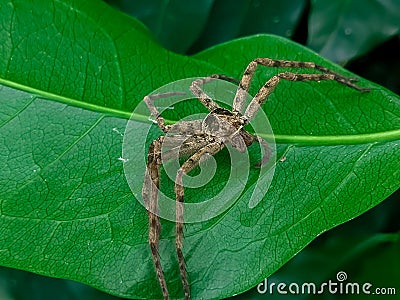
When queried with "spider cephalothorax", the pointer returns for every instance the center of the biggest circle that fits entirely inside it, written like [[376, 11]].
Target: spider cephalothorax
[[199, 139], [228, 126]]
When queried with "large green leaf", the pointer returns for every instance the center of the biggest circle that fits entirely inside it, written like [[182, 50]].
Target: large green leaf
[[71, 74]]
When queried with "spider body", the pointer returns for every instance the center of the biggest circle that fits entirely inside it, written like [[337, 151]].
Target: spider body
[[183, 139], [199, 139], [227, 126]]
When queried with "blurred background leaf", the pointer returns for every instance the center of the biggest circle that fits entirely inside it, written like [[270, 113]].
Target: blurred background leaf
[[176, 24], [244, 17], [192, 26], [364, 35], [345, 29]]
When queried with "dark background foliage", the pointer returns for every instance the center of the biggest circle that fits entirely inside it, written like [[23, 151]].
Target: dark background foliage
[[361, 35]]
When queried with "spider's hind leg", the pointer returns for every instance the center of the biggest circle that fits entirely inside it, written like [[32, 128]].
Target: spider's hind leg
[[150, 197]]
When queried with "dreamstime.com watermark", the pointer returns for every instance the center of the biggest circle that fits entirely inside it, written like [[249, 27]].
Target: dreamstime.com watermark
[[339, 287]]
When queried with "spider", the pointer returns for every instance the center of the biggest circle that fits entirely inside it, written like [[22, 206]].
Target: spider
[[205, 137]]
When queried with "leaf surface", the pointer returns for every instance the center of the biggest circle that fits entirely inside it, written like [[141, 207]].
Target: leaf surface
[[65, 207]]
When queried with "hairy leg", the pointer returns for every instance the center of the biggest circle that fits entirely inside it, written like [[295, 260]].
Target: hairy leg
[[244, 85], [190, 164], [271, 84], [207, 101], [150, 195], [154, 111]]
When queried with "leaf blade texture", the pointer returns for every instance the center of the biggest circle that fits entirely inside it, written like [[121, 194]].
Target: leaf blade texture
[[65, 207]]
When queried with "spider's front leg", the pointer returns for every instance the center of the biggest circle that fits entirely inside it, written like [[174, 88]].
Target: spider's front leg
[[244, 85], [212, 148], [270, 85]]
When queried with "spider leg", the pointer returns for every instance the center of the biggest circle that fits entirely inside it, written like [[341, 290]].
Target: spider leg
[[226, 78], [267, 151], [244, 85], [154, 111], [150, 196], [196, 89], [249, 139], [211, 149], [271, 84], [187, 147]]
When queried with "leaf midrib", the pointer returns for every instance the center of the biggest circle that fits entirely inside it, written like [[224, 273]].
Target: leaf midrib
[[304, 140]]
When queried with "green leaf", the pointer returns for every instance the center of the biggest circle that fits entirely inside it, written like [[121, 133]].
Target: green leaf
[[354, 27], [71, 75], [92, 59]]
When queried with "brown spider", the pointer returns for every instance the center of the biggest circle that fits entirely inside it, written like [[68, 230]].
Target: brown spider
[[210, 135]]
